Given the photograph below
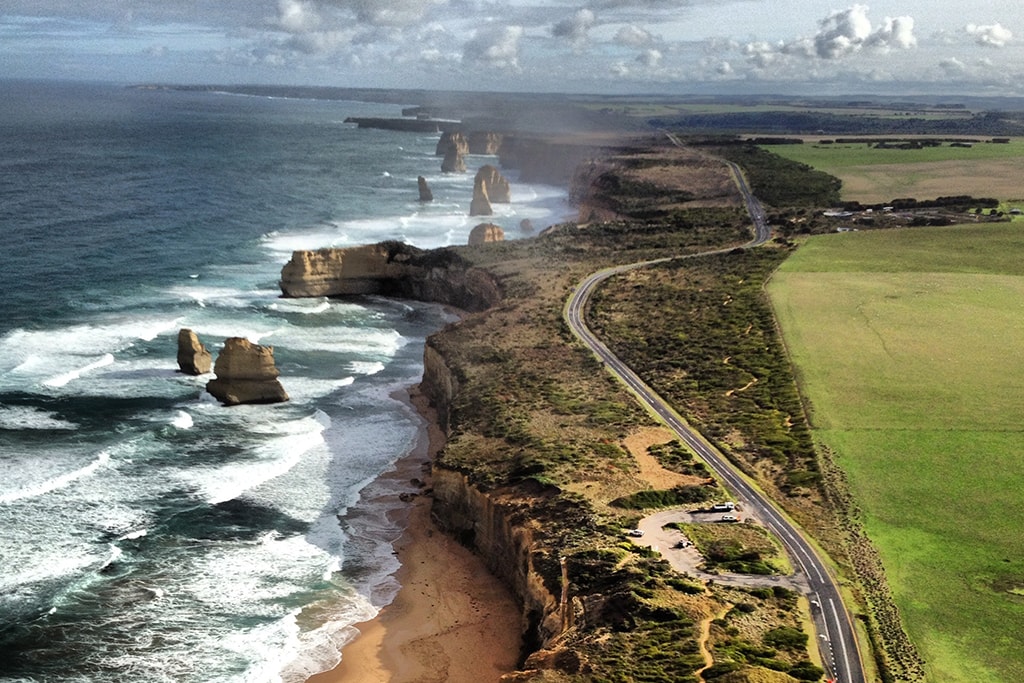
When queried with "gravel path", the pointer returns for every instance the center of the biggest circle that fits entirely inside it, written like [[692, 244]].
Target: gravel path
[[689, 561]]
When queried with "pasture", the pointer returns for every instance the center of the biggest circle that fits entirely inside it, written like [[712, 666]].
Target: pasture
[[873, 175], [907, 347]]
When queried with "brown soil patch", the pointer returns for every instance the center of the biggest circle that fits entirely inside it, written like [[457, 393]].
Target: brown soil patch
[[978, 178], [651, 470]]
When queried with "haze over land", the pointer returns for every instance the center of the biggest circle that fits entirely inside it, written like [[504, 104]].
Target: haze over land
[[602, 46]]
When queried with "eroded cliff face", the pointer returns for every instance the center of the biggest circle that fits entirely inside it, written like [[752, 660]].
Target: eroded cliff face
[[487, 523], [390, 269], [497, 524]]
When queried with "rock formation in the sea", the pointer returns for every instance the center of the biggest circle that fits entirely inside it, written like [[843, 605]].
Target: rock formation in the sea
[[486, 232], [246, 373], [498, 189], [526, 226], [425, 194], [453, 147], [390, 269], [453, 162], [450, 140], [484, 142], [193, 357], [481, 203]]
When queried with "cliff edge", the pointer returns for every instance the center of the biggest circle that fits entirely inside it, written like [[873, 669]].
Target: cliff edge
[[391, 269]]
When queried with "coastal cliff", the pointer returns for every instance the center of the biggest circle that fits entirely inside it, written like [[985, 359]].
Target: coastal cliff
[[390, 269], [498, 524]]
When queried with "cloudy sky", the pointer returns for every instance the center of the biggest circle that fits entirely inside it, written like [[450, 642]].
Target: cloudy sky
[[646, 46]]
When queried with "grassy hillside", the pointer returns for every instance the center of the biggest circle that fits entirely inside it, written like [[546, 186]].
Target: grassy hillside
[[907, 346]]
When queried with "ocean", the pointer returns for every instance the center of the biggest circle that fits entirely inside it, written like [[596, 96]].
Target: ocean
[[148, 533]]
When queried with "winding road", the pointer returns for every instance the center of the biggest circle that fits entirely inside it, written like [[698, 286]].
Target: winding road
[[837, 640]]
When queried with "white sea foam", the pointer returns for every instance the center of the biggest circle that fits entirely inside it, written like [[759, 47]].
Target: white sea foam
[[366, 367], [63, 379], [58, 482], [115, 555], [53, 358], [308, 389], [24, 417], [182, 420], [203, 295], [272, 459], [132, 535], [344, 339]]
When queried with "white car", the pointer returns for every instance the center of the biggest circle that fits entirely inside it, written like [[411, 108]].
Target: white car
[[637, 533]]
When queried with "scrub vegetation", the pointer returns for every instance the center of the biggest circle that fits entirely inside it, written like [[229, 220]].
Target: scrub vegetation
[[539, 422]]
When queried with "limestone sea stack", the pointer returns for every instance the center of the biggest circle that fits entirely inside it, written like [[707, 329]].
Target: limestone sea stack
[[453, 162], [484, 142], [425, 194], [481, 203], [452, 140], [246, 373], [486, 232], [498, 189], [193, 357]]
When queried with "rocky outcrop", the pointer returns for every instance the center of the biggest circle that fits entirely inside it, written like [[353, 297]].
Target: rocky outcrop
[[526, 226], [481, 203], [453, 146], [390, 269], [193, 357], [452, 140], [498, 189], [453, 162], [425, 194], [486, 232], [246, 373], [484, 142]]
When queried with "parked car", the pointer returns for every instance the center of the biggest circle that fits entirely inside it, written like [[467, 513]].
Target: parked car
[[724, 507], [636, 532], [730, 518]]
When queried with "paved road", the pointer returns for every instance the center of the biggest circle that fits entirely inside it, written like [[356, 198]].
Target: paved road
[[837, 642]]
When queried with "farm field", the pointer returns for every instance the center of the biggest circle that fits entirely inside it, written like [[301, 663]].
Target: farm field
[[907, 349], [879, 175]]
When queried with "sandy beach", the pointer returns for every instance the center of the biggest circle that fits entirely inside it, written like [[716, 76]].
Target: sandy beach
[[451, 620]]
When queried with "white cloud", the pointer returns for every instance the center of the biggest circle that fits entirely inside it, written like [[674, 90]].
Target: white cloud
[[992, 35], [842, 32], [575, 27], [952, 65], [386, 12], [633, 36], [496, 47], [650, 58], [295, 16], [840, 35], [894, 33]]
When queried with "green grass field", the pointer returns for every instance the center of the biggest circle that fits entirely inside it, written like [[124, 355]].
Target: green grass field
[[838, 156], [908, 347]]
